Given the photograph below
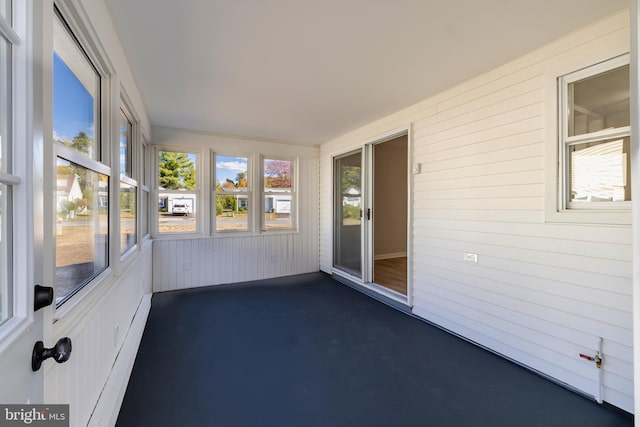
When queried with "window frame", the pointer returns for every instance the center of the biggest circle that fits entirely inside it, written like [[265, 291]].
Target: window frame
[[102, 164], [292, 192], [128, 177], [144, 192], [565, 141], [249, 192], [16, 177], [156, 191]]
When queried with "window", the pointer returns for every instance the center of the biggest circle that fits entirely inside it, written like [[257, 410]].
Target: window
[[7, 180], [128, 186], [278, 193], [232, 193], [81, 190], [82, 225], [595, 155], [177, 192], [144, 193]]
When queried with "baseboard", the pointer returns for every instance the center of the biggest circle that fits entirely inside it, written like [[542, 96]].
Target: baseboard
[[389, 256], [108, 406]]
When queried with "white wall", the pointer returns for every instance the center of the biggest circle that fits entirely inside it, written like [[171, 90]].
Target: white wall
[[98, 330], [214, 258], [544, 289]]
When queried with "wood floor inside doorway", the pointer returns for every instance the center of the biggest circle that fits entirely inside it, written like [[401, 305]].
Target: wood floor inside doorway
[[391, 273]]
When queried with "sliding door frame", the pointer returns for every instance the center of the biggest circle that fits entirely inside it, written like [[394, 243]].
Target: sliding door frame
[[367, 258]]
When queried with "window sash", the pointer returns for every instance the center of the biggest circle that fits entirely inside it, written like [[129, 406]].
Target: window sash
[[566, 141]]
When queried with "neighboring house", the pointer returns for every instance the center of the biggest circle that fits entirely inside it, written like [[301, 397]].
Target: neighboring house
[[67, 190]]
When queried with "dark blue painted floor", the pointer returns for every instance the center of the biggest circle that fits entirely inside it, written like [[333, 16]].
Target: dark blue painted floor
[[309, 351]]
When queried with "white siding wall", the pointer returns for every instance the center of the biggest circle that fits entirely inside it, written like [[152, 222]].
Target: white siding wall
[[206, 259], [98, 331], [543, 290]]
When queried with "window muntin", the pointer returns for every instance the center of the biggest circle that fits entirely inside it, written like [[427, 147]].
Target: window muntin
[[128, 225], [595, 150], [232, 193], [177, 192], [76, 94], [278, 194], [82, 225]]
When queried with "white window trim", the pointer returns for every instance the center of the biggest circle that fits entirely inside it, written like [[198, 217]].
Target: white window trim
[[556, 211], [249, 192], [294, 195]]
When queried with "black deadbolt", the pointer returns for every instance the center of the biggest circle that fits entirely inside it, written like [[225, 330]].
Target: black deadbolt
[[42, 297], [60, 352]]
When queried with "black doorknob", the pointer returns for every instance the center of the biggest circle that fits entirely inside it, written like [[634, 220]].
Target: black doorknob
[[61, 352]]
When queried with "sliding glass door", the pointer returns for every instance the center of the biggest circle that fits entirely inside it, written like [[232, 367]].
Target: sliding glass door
[[347, 241]]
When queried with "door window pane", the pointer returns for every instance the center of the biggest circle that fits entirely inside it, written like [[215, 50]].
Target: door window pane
[[6, 296], [82, 243], [5, 10], [347, 201], [76, 89], [5, 103], [127, 217]]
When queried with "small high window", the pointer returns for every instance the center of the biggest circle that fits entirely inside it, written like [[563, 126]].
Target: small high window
[[595, 144]]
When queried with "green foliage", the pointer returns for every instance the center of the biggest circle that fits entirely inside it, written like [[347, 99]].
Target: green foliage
[[70, 206], [81, 143], [219, 208], [177, 171], [349, 211]]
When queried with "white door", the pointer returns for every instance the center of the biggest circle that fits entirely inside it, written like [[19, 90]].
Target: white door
[[20, 229]]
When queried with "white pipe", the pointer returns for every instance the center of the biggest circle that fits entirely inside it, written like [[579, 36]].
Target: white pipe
[[599, 358]]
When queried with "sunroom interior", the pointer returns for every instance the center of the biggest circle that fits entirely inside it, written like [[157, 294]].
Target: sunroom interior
[[472, 164]]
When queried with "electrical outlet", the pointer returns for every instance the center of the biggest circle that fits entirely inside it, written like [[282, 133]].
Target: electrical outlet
[[471, 258]]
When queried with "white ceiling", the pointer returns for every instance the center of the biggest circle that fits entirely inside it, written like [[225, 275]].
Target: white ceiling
[[310, 70]]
